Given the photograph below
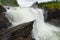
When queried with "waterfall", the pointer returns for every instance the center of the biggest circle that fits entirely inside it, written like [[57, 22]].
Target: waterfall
[[42, 30], [17, 15]]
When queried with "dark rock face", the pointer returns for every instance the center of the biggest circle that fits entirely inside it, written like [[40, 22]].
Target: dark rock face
[[2, 9], [52, 14], [53, 17], [20, 32], [4, 22], [27, 38], [24, 33]]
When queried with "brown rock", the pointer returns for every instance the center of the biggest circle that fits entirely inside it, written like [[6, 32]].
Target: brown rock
[[24, 38], [22, 30], [4, 22]]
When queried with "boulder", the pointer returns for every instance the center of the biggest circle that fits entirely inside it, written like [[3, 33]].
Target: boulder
[[52, 16], [22, 38], [4, 22], [2, 9], [22, 30], [18, 32]]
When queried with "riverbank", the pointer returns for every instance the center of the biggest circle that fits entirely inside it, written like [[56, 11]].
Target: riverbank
[[50, 5], [51, 9]]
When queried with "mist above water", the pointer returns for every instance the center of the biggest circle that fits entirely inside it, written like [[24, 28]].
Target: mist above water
[[41, 30], [17, 15]]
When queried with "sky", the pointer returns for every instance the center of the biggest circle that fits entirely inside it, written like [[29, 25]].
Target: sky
[[28, 3]]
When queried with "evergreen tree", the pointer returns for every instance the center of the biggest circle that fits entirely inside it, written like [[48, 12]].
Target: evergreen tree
[[9, 2]]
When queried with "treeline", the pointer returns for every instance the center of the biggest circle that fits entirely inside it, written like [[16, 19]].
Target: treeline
[[8, 2], [51, 4]]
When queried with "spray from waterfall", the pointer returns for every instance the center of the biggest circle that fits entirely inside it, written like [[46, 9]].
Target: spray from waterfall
[[43, 30]]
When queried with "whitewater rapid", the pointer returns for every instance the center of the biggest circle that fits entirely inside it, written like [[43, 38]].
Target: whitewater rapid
[[17, 15], [41, 30]]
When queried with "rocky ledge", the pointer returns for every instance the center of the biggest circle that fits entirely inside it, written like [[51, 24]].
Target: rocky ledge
[[52, 16], [19, 32], [4, 22]]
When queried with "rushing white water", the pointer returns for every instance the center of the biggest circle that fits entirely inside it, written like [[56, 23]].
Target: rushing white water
[[41, 30], [17, 15]]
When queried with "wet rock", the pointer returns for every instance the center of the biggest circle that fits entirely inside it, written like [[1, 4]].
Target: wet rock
[[55, 13], [2, 9], [24, 33], [52, 16], [4, 22], [26, 38], [20, 32]]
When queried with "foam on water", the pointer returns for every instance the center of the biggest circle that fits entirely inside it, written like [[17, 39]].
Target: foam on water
[[17, 15], [42, 30]]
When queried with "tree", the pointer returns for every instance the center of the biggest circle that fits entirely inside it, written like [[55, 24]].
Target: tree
[[9, 2]]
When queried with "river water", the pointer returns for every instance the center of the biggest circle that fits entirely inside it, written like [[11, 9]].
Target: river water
[[24, 13], [41, 30]]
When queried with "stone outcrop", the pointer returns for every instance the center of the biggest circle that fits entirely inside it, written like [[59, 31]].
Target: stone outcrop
[[52, 16], [20, 32], [2, 9], [4, 22]]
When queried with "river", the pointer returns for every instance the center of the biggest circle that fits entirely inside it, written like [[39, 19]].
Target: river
[[24, 13], [41, 30]]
